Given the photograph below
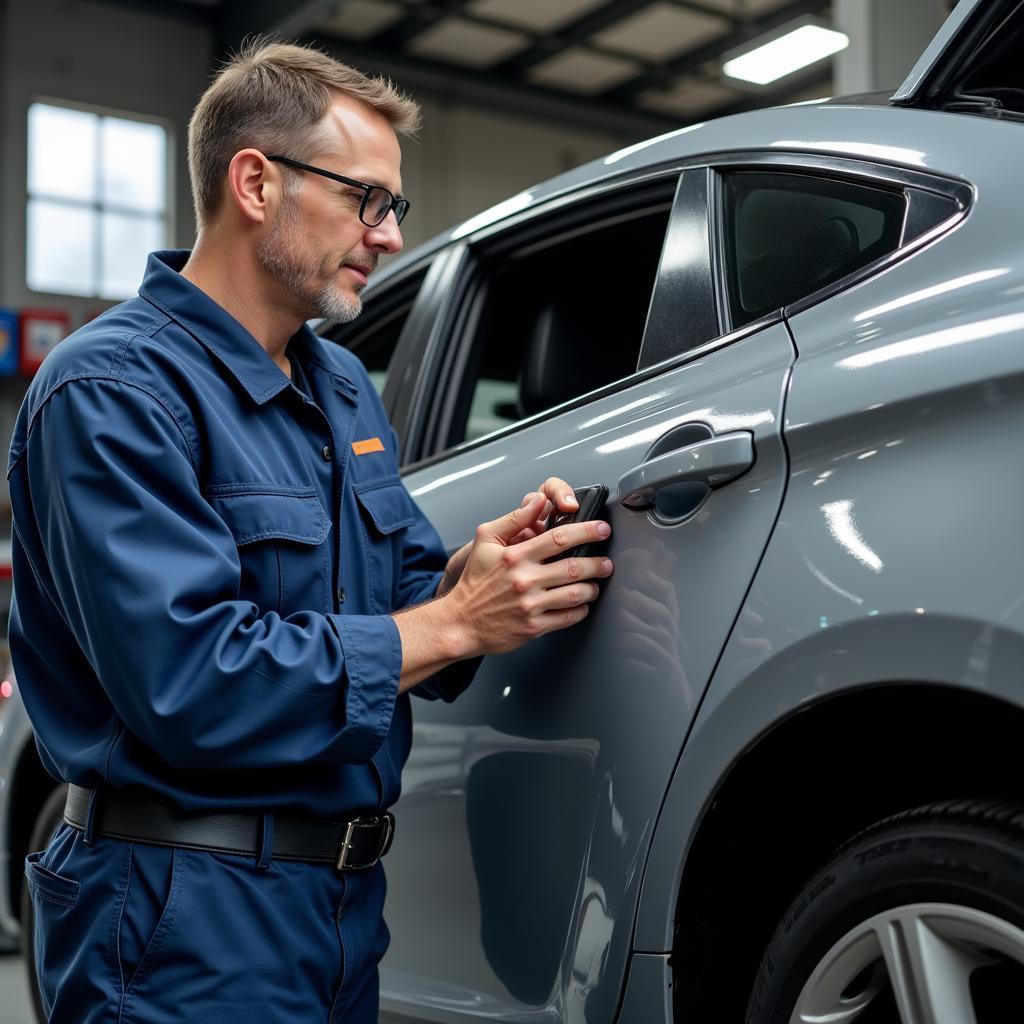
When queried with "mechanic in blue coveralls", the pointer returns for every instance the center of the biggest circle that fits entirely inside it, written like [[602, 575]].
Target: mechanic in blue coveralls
[[224, 594]]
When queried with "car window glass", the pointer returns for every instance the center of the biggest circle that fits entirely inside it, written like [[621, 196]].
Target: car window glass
[[788, 235], [558, 317], [373, 336]]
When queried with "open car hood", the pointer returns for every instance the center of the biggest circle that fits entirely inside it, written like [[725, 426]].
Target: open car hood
[[973, 64]]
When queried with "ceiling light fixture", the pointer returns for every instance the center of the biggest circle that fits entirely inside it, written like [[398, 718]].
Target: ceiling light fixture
[[797, 46]]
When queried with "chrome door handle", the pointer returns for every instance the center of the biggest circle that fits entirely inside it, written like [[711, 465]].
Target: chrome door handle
[[714, 462]]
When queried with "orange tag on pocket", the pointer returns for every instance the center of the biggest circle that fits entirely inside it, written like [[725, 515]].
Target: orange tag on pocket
[[371, 444]]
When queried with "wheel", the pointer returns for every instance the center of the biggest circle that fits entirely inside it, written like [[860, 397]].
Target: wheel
[[918, 920], [50, 816]]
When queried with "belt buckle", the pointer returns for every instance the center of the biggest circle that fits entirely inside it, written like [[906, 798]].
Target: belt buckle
[[346, 843]]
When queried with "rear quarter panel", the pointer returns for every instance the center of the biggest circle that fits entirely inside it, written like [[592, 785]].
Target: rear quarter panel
[[897, 556]]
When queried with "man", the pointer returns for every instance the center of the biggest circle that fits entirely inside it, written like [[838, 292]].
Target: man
[[224, 595]]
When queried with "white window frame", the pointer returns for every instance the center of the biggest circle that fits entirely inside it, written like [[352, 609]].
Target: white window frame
[[98, 205]]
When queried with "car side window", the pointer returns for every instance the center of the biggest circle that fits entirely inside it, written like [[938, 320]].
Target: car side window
[[787, 235], [557, 312], [373, 336]]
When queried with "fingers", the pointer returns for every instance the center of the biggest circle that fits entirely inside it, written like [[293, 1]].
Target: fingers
[[545, 511], [550, 588], [572, 596], [560, 494], [528, 534], [562, 538], [508, 526], [563, 618], [567, 571]]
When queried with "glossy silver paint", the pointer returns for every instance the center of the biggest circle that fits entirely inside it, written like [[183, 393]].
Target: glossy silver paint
[[526, 810], [903, 419], [547, 815]]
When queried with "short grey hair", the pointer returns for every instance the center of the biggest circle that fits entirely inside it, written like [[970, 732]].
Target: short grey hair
[[272, 96]]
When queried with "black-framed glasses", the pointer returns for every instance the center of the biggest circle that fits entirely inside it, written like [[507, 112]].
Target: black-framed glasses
[[377, 202]]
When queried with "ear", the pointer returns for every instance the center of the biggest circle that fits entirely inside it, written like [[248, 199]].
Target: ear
[[254, 184]]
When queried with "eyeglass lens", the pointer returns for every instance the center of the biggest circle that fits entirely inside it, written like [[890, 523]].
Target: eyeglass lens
[[379, 203]]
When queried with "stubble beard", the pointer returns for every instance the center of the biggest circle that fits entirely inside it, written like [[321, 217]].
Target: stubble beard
[[284, 256]]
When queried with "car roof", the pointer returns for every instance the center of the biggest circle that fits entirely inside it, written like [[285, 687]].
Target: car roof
[[858, 127]]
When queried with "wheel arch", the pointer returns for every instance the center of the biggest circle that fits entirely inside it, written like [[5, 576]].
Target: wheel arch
[[803, 787]]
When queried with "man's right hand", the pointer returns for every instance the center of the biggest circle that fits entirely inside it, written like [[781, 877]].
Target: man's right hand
[[507, 595]]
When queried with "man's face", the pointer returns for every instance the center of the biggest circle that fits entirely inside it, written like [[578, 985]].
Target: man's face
[[317, 248]]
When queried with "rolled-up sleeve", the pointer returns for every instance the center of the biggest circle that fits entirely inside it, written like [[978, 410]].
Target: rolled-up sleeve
[[147, 574]]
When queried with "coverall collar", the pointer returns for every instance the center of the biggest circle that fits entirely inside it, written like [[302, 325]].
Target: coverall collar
[[220, 333]]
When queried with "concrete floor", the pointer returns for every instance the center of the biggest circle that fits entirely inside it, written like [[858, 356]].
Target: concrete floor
[[14, 1003]]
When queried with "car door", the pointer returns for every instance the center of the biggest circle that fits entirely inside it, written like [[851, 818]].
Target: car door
[[528, 804]]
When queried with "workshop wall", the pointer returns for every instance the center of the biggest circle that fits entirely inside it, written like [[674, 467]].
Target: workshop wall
[[125, 59]]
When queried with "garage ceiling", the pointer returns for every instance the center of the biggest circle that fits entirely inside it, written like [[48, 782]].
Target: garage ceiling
[[631, 65]]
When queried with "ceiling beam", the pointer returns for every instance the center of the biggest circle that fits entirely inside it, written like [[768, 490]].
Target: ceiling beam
[[691, 60], [416, 20], [573, 34], [537, 38], [496, 92], [704, 8]]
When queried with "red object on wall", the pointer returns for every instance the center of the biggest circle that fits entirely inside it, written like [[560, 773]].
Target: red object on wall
[[41, 330]]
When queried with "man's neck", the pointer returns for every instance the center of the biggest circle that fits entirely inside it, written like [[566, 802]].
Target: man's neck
[[236, 283]]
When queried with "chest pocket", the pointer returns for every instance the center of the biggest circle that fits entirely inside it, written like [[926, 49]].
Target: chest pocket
[[387, 510], [280, 537]]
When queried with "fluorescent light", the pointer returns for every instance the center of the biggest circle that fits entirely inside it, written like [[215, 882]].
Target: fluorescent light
[[788, 53]]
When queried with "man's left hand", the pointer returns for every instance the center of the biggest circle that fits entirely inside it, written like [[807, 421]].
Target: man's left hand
[[559, 495]]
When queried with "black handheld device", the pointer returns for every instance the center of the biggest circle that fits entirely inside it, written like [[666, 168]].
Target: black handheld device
[[592, 501]]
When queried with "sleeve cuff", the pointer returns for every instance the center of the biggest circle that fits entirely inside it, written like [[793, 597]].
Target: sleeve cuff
[[373, 661], [447, 684]]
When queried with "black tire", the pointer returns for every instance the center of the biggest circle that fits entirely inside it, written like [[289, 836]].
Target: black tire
[[968, 854], [50, 816]]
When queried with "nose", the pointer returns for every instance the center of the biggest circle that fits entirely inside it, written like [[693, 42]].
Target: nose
[[386, 236]]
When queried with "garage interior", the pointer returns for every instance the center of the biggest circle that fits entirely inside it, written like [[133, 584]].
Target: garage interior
[[513, 92]]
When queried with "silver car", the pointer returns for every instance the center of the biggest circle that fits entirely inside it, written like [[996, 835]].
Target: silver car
[[774, 777]]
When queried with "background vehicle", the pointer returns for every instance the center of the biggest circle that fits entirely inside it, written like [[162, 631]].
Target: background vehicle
[[31, 807], [773, 775]]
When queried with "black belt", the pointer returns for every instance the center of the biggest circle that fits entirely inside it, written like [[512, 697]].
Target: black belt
[[139, 816]]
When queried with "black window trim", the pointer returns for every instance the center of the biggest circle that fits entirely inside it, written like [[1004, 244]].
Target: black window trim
[[463, 303], [423, 345], [683, 312], [842, 167], [913, 184]]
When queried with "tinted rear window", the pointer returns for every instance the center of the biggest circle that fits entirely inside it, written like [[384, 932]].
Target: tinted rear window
[[789, 235]]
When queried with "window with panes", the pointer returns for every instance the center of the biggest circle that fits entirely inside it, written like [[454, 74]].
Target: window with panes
[[98, 188]]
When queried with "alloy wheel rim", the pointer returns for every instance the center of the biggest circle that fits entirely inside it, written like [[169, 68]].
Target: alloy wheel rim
[[925, 952]]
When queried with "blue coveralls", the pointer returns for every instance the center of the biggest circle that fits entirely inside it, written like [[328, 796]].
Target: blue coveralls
[[204, 564]]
